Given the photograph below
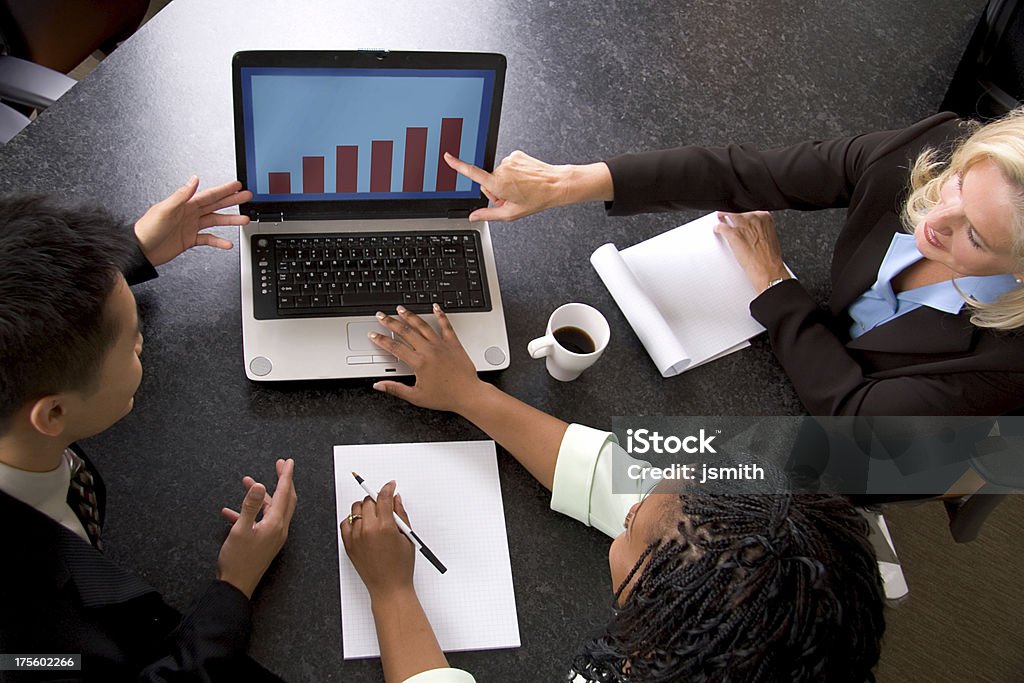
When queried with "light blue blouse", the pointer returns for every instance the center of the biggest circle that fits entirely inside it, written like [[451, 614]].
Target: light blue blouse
[[880, 304]]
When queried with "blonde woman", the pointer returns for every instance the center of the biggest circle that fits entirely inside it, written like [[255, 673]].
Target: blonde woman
[[926, 294]]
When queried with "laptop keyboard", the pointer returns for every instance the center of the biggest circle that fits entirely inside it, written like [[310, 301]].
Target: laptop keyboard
[[335, 274]]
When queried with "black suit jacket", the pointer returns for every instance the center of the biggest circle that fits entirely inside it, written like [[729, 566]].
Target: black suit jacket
[[59, 595], [923, 363]]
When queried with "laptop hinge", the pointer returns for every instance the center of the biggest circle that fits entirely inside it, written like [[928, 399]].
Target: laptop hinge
[[457, 213], [270, 217]]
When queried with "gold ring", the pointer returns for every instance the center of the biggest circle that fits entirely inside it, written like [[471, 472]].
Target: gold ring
[[353, 518]]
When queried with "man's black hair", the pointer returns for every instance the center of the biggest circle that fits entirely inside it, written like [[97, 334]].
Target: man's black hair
[[752, 588], [58, 267]]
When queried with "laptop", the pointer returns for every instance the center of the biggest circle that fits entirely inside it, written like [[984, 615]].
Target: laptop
[[354, 210]]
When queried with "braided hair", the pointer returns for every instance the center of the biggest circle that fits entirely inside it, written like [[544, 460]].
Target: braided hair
[[748, 588]]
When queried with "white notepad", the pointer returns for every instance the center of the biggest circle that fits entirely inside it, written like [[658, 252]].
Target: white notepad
[[684, 294], [453, 497]]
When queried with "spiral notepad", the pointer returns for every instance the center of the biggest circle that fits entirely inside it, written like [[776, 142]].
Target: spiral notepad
[[452, 494]]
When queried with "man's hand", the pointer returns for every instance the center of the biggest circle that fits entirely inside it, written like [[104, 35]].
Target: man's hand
[[170, 227], [380, 552], [522, 185], [251, 546], [755, 244], [446, 378]]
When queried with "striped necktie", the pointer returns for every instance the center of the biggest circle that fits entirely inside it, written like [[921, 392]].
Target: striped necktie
[[82, 497]]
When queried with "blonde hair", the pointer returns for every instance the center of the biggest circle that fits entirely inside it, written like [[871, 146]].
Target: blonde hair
[[1002, 142]]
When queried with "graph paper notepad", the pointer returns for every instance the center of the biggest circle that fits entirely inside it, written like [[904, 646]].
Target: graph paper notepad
[[452, 495], [683, 293]]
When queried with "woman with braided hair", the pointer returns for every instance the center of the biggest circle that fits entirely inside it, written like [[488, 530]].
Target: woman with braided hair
[[708, 586], [746, 588]]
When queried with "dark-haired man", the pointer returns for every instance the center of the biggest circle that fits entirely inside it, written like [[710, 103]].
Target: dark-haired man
[[69, 369]]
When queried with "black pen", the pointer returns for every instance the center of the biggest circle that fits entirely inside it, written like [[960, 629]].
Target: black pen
[[409, 533]]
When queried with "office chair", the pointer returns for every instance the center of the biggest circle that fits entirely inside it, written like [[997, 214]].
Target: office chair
[[989, 452], [989, 80], [997, 470], [60, 34], [43, 40]]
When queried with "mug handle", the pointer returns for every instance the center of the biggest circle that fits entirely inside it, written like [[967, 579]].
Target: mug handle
[[540, 346]]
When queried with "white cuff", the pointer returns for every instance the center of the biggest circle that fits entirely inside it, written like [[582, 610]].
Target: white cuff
[[442, 676], [574, 470]]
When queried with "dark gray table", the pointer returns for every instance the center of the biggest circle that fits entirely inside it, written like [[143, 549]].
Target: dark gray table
[[585, 80]]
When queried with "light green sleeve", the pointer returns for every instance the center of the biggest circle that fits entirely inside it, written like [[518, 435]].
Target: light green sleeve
[[587, 461]]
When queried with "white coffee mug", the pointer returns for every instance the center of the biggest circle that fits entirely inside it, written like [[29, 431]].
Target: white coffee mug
[[576, 337]]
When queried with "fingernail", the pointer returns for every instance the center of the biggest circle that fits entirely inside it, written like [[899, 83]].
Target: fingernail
[[372, 335], [380, 315], [401, 309], [379, 386], [436, 307]]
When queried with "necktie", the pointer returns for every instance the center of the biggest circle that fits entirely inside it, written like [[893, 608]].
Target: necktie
[[82, 497]]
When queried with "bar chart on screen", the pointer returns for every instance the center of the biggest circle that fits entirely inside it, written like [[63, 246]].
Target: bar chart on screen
[[366, 133]]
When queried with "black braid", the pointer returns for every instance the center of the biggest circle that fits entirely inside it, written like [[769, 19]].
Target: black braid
[[755, 588]]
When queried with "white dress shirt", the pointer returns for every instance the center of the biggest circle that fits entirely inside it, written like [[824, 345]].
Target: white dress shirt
[[45, 491]]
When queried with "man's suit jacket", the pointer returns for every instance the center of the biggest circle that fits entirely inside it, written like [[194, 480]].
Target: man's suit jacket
[[923, 363], [59, 595]]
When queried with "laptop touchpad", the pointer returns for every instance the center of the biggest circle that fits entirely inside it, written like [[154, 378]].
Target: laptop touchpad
[[358, 339]]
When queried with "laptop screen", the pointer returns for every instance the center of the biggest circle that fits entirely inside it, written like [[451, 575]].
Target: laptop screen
[[355, 134]]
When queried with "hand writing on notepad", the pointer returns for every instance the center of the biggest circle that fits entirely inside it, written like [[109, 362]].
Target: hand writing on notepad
[[379, 551]]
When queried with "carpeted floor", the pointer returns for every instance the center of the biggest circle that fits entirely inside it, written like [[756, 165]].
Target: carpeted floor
[[962, 620]]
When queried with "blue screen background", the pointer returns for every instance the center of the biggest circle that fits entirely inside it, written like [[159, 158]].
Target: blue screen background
[[291, 113]]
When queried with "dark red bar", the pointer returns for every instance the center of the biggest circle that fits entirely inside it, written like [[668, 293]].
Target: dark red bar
[[280, 183], [415, 159], [312, 175], [451, 138], [380, 165], [346, 168]]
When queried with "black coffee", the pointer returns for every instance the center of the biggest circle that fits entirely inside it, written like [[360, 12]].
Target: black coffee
[[574, 339]]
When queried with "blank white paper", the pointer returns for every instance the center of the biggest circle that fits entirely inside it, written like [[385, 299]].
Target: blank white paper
[[452, 494]]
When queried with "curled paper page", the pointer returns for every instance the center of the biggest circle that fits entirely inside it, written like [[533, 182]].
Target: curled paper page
[[684, 294], [644, 317]]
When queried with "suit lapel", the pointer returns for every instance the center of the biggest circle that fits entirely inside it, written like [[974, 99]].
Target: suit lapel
[[100, 582], [46, 551], [859, 271], [922, 331]]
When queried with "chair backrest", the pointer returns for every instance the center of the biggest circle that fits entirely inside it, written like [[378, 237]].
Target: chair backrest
[[990, 78], [60, 34]]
